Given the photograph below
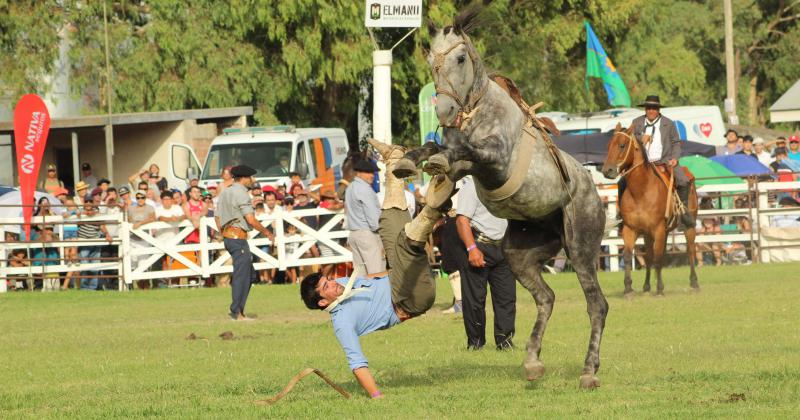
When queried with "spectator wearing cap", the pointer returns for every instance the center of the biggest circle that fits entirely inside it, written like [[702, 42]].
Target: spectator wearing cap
[[759, 152], [747, 147], [235, 217], [794, 148], [81, 188], [363, 212], [125, 200], [51, 183], [732, 146], [62, 194], [88, 177]]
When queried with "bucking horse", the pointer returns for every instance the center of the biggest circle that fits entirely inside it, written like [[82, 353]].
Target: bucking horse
[[548, 198]]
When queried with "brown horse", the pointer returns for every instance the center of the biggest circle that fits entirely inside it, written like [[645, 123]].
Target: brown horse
[[643, 207]]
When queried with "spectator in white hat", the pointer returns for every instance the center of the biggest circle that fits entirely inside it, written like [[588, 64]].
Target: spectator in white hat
[[758, 150]]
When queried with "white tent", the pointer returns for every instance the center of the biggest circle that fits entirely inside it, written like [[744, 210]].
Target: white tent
[[10, 206]]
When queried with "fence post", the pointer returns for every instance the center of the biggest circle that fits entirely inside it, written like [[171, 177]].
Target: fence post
[[280, 245], [3, 263], [204, 263], [125, 236]]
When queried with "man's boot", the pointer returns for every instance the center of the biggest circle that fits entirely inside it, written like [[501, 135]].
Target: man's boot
[[686, 218], [436, 199], [394, 189], [455, 284]]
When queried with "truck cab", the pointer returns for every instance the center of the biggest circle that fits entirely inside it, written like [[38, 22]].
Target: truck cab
[[315, 153]]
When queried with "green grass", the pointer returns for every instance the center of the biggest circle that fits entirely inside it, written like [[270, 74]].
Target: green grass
[[74, 354]]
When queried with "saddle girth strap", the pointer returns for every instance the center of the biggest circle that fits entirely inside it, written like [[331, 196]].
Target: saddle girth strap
[[518, 170]]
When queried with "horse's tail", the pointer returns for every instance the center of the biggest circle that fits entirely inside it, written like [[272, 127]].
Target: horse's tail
[[611, 224]]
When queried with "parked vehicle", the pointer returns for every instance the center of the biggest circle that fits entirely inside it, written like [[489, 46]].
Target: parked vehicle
[[701, 124], [315, 153]]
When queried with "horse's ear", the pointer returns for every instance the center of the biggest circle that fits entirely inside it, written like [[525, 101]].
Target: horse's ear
[[432, 29], [468, 19], [630, 129], [617, 128]]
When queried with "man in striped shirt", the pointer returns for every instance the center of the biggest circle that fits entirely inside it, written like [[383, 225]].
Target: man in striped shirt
[[90, 230]]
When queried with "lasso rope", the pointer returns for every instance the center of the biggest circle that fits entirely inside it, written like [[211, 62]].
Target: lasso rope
[[292, 382]]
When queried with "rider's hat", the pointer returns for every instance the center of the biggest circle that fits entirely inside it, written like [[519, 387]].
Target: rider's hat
[[652, 101]]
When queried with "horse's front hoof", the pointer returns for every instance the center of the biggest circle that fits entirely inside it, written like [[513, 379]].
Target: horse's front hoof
[[646, 288], [404, 168], [437, 165], [659, 294], [590, 382], [694, 288], [628, 294], [533, 370]]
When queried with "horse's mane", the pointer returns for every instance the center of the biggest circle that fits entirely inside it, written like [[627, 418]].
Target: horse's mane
[[468, 19]]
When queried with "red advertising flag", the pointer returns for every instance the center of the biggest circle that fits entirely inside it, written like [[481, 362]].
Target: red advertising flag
[[31, 126]]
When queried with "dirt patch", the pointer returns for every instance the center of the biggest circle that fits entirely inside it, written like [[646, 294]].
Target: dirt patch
[[226, 335], [734, 398]]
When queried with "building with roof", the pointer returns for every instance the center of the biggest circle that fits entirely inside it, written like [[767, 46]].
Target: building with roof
[[166, 138], [787, 107]]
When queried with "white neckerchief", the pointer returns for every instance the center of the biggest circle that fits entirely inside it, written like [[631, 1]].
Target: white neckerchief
[[348, 290], [654, 148]]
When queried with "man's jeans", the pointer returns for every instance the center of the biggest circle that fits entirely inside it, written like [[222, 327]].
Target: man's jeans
[[89, 255], [243, 273]]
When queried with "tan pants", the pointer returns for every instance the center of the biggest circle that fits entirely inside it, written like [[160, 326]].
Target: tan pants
[[367, 251], [413, 286]]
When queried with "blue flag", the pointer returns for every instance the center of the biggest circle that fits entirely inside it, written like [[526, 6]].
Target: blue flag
[[599, 65]]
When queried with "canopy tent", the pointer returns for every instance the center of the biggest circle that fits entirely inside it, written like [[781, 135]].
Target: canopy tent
[[593, 148], [742, 165], [702, 168]]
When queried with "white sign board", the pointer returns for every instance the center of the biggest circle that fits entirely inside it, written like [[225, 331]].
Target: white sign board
[[393, 13]]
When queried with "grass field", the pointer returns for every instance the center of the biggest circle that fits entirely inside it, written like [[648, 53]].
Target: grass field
[[732, 350]]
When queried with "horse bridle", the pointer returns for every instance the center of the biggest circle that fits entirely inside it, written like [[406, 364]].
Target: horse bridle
[[465, 109], [632, 144]]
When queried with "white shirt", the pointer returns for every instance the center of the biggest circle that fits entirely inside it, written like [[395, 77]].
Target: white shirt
[[654, 148], [470, 206], [173, 211], [764, 157], [410, 200]]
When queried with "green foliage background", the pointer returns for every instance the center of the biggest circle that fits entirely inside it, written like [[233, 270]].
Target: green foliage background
[[306, 62]]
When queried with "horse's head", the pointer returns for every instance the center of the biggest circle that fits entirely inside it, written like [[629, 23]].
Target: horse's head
[[621, 152], [458, 72]]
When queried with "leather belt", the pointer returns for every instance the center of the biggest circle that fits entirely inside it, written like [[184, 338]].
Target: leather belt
[[234, 232], [487, 240]]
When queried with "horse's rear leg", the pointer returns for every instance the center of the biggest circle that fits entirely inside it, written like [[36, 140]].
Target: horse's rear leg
[[690, 249], [629, 238], [659, 246], [648, 261]]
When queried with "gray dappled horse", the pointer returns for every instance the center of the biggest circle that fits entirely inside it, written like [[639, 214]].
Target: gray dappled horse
[[546, 212]]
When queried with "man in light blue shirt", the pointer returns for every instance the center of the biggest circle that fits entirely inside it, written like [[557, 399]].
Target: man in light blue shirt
[[363, 211], [383, 300]]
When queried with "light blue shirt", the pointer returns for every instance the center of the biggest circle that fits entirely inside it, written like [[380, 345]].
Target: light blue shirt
[[362, 314], [363, 208]]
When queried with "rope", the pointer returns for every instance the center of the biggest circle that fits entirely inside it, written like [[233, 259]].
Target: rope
[[292, 382]]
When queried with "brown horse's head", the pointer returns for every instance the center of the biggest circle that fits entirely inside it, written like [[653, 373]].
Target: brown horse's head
[[353, 156], [621, 152]]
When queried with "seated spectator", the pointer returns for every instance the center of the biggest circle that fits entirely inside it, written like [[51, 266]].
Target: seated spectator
[[18, 258], [709, 226], [794, 148], [780, 155], [786, 220], [44, 256], [139, 215]]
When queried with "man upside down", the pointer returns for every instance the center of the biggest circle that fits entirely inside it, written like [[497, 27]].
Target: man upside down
[[379, 301]]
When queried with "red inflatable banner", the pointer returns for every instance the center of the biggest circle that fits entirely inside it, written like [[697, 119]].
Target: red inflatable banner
[[31, 126]]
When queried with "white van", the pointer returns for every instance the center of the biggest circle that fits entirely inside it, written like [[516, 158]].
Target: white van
[[702, 124], [315, 153]]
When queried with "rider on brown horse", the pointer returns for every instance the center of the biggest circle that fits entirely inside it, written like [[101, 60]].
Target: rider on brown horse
[[659, 137]]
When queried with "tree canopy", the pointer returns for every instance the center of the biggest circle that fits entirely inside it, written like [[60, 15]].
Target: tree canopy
[[308, 62]]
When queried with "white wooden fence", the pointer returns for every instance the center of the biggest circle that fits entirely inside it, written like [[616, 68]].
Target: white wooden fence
[[138, 249]]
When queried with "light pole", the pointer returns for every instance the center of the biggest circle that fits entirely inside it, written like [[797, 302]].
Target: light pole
[[730, 101]]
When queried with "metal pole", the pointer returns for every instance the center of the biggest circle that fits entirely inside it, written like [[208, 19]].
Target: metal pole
[[730, 101], [109, 129], [76, 167]]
